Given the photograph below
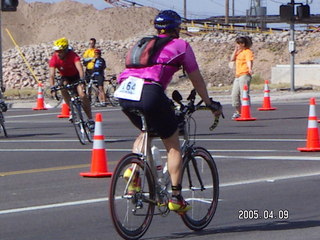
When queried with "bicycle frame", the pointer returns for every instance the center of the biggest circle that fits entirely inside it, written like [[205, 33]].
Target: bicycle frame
[[146, 155], [134, 194], [76, 103]]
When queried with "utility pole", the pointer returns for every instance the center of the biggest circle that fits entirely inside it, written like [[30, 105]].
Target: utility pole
[[227, 12], [232, 8], [1, 73], [185, 9], [292, 50]]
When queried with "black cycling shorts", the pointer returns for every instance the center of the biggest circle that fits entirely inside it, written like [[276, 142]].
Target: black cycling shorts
[[157, 108], [100, 79], [70, 79]]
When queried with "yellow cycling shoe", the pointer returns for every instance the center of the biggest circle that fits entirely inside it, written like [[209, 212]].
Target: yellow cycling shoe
[[178, 205], [135, 184]]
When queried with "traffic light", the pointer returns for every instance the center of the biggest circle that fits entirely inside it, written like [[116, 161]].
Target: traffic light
[[9, 5]]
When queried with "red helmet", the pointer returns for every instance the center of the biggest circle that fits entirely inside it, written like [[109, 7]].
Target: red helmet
[[97, 51]]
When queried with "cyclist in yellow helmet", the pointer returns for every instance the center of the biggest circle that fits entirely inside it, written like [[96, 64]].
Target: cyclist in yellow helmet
[[68, 63]]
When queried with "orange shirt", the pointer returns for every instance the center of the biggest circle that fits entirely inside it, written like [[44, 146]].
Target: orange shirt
[[241, 62]]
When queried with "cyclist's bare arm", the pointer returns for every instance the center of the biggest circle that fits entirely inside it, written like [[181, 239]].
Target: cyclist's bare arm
[[80, 69], [200, 86], [52, 74]]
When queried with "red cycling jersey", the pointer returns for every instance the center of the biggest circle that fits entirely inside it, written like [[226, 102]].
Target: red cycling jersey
[[66, 66]]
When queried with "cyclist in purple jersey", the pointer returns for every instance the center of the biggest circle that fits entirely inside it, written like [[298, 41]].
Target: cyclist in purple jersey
[[156, 106], [176, 53]]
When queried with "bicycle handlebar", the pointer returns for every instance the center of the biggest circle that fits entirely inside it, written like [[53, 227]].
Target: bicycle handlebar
[[191, 107], [68, 86]]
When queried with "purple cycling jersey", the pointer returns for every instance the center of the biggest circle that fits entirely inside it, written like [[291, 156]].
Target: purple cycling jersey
[[176, 53]]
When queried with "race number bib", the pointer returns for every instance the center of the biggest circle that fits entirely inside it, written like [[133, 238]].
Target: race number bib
[[130, 89]]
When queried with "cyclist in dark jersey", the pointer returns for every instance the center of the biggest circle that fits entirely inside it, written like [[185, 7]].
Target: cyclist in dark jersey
[[98, 74], [155, 104]]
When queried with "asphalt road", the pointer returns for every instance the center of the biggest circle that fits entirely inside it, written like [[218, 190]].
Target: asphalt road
[[261, 172]]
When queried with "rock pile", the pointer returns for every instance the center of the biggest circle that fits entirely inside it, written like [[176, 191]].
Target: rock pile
[[212, 50]]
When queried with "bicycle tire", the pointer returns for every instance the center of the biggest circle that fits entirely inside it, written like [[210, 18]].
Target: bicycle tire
[[2, 127], [199, 166], [92, 94], [78, 122], [130, 221], [51, 101], [110, 95]]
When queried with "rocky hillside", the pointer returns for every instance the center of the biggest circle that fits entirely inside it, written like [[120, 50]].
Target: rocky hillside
[[35, 26]]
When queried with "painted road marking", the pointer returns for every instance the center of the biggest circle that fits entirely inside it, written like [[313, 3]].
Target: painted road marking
[[97, 200]]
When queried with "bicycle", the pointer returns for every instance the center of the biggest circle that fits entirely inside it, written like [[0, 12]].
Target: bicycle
[[110, 89], [132, 213], [49, 99], [3, 108], [92, 91], [81, 126]]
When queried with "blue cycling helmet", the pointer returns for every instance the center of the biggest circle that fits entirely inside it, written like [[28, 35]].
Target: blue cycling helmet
[[167, 19]]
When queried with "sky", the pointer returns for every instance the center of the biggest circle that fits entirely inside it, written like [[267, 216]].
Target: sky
[[205, 8]]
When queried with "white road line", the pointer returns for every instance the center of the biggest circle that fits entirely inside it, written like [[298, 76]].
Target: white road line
[[132, 138], [129, 149], [97, 200], [52, 140], [56, 205], [49, 113], [246, 157]]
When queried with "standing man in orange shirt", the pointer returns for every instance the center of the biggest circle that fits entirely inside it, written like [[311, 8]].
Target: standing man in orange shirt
[[243, 58]]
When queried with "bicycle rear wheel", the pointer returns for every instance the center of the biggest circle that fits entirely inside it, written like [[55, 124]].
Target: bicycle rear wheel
[[110, 95], [201, 182], [78, 122], [132, 212], [93, 95], [2, 127]]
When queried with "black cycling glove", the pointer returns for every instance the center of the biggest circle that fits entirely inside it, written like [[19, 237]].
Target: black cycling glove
[[214, 106]]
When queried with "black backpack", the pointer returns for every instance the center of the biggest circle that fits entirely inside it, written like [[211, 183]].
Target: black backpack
[[142, 53]]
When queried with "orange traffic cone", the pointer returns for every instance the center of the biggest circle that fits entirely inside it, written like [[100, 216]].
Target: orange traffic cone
[[313, 144], [266, 99], [99, 157], [65, 111], [245, 107], [40, 101]]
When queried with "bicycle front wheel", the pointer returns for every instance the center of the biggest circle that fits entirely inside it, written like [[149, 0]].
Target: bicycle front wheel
[[201, 188], [2, 127], [110, 95], [78, 122], [132, 197], [51, 101]]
